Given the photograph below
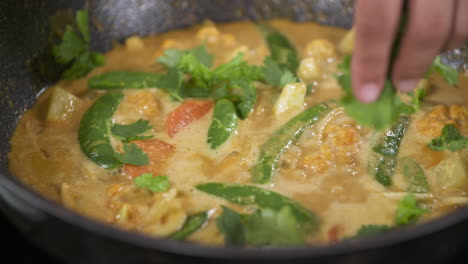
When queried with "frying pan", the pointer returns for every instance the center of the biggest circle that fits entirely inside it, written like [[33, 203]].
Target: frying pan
[[26, 69]]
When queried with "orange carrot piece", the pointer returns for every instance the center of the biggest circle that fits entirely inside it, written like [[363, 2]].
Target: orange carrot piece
[[158, 153], [186, 113]]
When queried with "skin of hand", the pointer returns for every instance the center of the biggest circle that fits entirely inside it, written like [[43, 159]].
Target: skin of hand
[[432, 27]]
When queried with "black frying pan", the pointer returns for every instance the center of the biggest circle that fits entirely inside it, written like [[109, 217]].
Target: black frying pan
[[26, 68]]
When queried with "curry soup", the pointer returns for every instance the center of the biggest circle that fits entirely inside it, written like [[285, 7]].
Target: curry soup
[[265, 156]]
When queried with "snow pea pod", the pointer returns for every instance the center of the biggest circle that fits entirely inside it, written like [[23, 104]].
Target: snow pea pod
[[387, 150], [223, 124], [192, 224], [272, 150], [251, 195], [94, 131]]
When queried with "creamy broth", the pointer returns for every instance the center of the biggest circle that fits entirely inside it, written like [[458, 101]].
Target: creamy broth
[[326, 171]]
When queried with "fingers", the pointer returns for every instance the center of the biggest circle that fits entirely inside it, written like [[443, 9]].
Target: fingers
[[459, 35], [428, 28], [376, 23]]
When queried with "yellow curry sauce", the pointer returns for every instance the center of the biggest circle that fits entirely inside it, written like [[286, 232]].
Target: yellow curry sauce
[[326, 171]]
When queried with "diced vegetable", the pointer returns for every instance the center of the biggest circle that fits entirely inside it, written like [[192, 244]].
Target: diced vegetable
[[185, 114], [415, 175], [408, 211], [291, 99], [452, 173], [223, 124], [62, 105], [157, 151], [321, 49], [387, 150], [309, 70], [265, 227], [94, 131], [192, 224], [272, 150], [450, 139], [251, 195]]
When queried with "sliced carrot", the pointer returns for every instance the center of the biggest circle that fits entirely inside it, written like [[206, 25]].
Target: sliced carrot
[[158, 153], [186, 113]]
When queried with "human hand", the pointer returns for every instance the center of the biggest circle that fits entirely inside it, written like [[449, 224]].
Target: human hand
[[432, 27]]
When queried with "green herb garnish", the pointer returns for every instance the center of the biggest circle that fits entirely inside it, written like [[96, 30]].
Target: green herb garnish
[[74, 49], [155, 184], [450, 139], [408, 211], [448, 73], [265, 227], [132, 155], [370, 230], [132, 131]]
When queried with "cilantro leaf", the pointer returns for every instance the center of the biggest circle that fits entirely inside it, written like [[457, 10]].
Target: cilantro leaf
[[448, 73], [369, 230], [72, 46], [282, 50], [132, 131], [132, 155], [82, 22], [237, 69], [172, 57], [276, 75], [172, 83], [74, 49], [417, 96], [378, 115], [155, 184], [200, 73], [450, 139], [83, 64], [265, 227], [408, 210]]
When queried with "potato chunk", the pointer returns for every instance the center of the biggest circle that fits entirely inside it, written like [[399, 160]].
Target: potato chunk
[[62, 105]]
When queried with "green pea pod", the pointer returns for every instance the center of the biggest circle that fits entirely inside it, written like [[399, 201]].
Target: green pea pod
[[415, 175], [124, 80], [272, 150], [192, 224], [223, 124], [94, 131], [252, 195], [387, 150]]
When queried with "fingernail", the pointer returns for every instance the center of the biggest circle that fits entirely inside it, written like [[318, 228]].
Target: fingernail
[[369, 92], [407, 85]]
